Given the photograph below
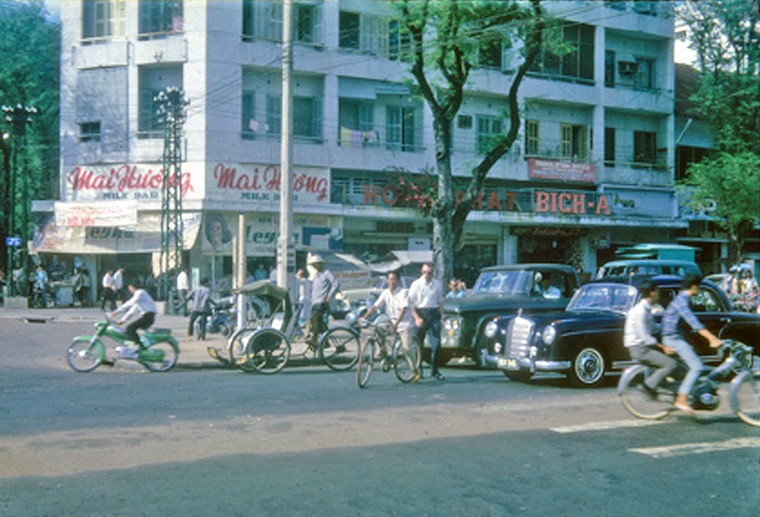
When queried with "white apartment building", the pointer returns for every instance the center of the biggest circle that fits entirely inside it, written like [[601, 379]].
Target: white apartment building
[[593, 169]]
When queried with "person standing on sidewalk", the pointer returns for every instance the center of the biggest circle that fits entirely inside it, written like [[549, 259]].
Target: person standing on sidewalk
[[41, 281], [183, 286], [425, 299], [323, 287], [108, 293], [118, 285], [200, 299]]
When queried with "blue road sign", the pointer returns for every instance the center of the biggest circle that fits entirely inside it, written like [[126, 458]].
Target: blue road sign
[[13, 242]]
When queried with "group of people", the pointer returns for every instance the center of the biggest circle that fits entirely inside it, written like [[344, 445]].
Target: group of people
[[415, 314], [742, 289], [642, 338]]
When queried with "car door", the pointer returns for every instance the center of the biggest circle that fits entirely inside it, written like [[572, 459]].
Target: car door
[[713, 314]]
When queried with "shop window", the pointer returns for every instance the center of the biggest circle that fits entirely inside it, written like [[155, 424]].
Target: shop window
[[102, 19], [159, 17]]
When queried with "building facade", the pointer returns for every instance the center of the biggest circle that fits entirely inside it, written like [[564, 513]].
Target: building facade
[[593, 169]]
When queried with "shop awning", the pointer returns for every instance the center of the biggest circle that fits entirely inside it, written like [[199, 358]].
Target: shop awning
[[144, 237]]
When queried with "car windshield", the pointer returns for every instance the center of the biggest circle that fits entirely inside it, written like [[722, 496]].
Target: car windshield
[[504, 282], [604, 297]]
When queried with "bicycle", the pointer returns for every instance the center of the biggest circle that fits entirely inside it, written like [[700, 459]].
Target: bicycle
[[744, 391], [402, 361]]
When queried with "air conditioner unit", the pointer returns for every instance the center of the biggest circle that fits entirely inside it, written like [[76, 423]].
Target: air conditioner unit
[[626, 67]]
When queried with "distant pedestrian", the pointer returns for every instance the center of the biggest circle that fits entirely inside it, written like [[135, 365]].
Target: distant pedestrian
[[183, 286], [200, 305], [426, 298], [41, 283], [118, 284], [108, 291], [303, 290]]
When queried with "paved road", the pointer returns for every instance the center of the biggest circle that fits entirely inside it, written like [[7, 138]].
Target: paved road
[[210, 441]]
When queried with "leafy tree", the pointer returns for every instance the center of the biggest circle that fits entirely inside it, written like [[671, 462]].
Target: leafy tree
[[726, 38], [30, 51], [445, 36], [731, 184]]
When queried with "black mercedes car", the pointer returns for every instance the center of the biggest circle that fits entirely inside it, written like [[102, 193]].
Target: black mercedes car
[[585, 341]]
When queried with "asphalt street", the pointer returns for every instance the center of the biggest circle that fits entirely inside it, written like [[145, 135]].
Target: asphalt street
[[206, 440]]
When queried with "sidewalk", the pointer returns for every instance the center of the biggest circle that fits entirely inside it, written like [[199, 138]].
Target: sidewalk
[[192, 351]]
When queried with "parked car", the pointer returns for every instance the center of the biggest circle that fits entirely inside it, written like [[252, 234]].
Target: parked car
[[648, 267], [499, 291], [586, 340]]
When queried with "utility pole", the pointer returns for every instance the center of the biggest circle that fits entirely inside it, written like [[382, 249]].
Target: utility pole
[[172, 113], [284, 243], [16, 189]]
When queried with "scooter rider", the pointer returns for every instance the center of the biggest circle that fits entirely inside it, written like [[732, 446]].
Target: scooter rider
[[672, 337], [141, 307]]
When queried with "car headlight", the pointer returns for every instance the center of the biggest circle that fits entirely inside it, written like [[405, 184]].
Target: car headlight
[[451, 323], [549, 334], [491, 330]]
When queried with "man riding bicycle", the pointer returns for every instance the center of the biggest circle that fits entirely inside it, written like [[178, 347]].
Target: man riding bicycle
[[672, 337], [640, 341]]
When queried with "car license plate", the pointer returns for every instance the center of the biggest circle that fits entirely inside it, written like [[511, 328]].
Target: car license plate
[[508, 363]]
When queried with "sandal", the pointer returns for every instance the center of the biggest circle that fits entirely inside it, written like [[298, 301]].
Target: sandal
[[685, 408]]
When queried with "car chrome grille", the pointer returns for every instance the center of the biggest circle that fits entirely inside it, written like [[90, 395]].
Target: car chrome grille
[[518, 338]]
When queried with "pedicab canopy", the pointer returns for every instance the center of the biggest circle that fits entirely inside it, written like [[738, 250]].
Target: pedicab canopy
[[276, 297]]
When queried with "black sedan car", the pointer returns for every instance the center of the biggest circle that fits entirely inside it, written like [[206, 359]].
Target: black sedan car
[[586, 340]]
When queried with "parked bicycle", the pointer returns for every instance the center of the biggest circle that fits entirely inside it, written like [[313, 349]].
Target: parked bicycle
[[744, 391], [160, 352], [385, 348]]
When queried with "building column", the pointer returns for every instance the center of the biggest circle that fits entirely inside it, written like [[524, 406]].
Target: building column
[[597, 154], [507, 252]]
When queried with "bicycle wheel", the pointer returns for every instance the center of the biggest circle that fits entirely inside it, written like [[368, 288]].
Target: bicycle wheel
[[339, 348], [84, 356], [638, 403], [237, 345], [365, 363], [745, 397], [404, 363], [268, 351], [160, 357]]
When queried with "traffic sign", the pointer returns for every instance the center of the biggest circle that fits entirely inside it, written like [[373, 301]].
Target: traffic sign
[[13, 242]]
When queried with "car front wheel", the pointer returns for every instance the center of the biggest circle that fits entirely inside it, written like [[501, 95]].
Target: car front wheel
[[588, 368]]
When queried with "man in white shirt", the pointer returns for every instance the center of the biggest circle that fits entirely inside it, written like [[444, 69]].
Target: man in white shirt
[[183, 286], [639, 338], [425, 299], [395, 301], [323, 287], [108, 293], [141, 307], [118, 284]]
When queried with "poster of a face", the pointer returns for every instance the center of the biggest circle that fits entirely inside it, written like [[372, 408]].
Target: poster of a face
[[217, 232]]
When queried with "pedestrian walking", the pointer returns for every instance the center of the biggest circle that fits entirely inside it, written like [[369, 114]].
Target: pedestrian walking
[[108, 291], [183, 286], [200, 305], [41, 284], [426, 298], [118, 284]]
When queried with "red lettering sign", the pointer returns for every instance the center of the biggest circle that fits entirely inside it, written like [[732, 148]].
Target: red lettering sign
[[267, 179], [124, 178]]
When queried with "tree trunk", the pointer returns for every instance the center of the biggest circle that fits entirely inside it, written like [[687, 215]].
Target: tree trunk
[[443, 234]]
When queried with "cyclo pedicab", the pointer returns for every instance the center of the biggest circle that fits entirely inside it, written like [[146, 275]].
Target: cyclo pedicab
[[264, 345]]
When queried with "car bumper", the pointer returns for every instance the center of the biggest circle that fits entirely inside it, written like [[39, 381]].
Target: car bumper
[[514, 364]]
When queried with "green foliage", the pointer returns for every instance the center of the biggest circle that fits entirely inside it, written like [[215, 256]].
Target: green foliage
[[726, 38], [29, 76], [731, 184]]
